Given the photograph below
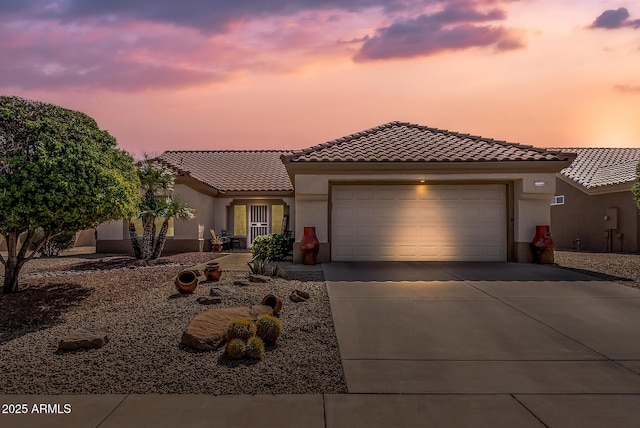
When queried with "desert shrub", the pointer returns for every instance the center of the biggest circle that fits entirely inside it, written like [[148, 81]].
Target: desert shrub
[[254, 348], [54, 245], [258, 266], [236, 348], [268, 328], [240, 329], [270, 247]]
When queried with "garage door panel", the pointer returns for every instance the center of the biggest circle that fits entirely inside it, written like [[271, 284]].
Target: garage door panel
[[426, 222]]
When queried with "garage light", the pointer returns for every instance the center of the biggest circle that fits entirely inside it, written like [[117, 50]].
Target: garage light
[[539, 183], [421, 181]]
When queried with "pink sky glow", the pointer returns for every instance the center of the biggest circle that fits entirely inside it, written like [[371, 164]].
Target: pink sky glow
[[284, 74]]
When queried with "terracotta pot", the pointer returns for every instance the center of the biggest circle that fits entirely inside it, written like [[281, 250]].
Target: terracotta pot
[[212, 271], [273, 301], [186, 281], [309, 245], [543, 245]]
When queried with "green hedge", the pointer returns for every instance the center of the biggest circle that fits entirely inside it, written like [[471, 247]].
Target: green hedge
[[270, 247]]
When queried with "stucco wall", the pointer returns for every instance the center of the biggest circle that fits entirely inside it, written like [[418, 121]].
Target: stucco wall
[[531, 195], [582, 216]]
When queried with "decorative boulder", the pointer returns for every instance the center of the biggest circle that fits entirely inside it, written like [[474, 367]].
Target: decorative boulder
[[207, 331], [84, 338]]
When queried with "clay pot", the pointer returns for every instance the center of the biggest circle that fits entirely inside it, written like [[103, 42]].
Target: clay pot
[[309, 245], [543, 245], [212, 271], [273, 301], [186, 281]]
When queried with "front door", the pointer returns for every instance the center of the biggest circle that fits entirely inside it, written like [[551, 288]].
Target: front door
[[258, 221]]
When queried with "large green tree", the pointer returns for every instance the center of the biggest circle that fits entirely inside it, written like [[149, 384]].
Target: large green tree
[[58, 172]]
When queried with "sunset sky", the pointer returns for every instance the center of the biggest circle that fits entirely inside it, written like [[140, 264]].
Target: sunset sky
[[287, 74]]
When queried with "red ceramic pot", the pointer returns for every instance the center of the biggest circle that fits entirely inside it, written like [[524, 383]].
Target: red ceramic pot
[[543, 245], [309, 245]]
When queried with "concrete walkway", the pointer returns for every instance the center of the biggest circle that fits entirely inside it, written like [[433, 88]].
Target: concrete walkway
[[519, 345], [427, 344]]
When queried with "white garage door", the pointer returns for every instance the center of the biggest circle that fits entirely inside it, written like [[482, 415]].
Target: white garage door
[[419, 222]]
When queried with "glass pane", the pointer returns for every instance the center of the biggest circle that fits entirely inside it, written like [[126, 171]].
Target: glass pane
[[277, 212], [240, 220]]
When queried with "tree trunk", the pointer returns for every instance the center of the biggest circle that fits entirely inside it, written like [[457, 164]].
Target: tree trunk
[[16, 258], [12, 266], [161, 240], [11, 274], [133, 235], [147, 241]]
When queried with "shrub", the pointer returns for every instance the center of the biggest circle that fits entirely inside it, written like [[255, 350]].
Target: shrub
[[240, 329], [236, 348], [270, 247], [254, 348], [56, 244], [258, 266], [268, 328]]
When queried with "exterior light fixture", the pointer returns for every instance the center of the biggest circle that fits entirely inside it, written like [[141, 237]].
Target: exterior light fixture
[[539, 183], [422, 181]]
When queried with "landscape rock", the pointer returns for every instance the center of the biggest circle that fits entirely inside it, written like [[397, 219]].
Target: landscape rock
[[207, 331], [84, 338], [241, 282], [204, 300], [259, 278], [220, 290], [298, 296]]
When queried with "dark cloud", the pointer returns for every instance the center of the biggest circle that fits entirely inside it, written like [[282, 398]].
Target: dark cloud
[[206, 15], [613, 19], [430, 34]]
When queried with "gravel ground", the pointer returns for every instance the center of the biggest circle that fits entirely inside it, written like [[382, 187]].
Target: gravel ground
[[144, 317], [620, 268]]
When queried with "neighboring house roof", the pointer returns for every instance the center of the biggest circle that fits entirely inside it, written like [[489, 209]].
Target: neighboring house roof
[[232, 170], [407, 142], [596, 168]]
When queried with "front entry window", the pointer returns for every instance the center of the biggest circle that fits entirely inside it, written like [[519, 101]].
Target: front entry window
[[240, 220], [277, 213]]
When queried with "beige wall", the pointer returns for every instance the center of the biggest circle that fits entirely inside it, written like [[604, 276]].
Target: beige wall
[[530, 201], [189, 235], [582, 215]]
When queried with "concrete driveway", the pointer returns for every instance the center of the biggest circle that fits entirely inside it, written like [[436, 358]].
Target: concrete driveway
[[530, 345]]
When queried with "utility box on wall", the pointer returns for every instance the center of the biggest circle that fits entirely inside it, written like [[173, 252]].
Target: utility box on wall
[[611, 218]]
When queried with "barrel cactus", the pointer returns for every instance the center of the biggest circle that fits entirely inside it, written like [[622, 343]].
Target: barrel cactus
[[240, 329], [254, 348], [236, 348], [268, 328]]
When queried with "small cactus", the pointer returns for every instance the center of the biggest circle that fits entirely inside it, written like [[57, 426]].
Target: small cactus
[[268, 328], [236, 348], [240, 329], [254, 348]]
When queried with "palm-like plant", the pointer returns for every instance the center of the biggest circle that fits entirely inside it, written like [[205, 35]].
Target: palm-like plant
[[157, 202], [171, 208]]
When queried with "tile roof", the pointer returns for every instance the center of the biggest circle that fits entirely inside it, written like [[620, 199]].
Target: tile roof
[[599, 167], [406, 142], [232, 170]]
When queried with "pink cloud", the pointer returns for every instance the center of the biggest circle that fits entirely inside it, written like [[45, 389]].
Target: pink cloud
[[628, 89]]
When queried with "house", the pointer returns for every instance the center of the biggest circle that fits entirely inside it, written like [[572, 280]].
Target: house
[[398, 191], [593, 208], [245, 193]]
